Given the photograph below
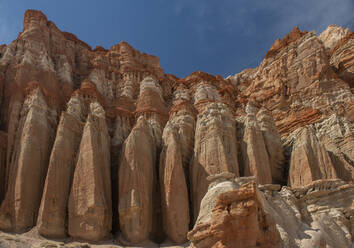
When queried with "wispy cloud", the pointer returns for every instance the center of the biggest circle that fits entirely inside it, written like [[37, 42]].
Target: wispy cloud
[[281, 16]]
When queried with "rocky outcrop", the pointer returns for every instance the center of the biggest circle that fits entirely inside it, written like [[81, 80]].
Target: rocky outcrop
[[177, 150], [52, 219], [3, 142], [90, 204], [136, 183], [309, 160], [28, 165], [255, 157], [317, 215], [130, 155], [273, 145], [297, 82], [215, 149], [232, 215]]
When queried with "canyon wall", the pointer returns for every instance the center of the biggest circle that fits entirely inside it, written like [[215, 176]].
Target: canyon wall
[[100, 144]]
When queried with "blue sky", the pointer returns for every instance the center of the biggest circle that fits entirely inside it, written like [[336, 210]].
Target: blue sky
[[217, 36]]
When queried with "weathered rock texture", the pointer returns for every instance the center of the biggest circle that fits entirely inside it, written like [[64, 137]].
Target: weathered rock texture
[[232, 215], [100, 143]]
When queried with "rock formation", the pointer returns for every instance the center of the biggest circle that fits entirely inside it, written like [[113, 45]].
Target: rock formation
[[309, 160], [101, 144], [52, 218], [232, 215], [136, 180], [177, 149], [254, 152], [90, 203]]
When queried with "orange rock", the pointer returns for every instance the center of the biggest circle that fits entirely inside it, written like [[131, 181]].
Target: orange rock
[[233, 217]]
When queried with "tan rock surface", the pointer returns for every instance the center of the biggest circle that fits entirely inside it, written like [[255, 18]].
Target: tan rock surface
[[215, 149], [90, 204], [52, 219], [309, 160], [255, 156], [273, 145], [28, 165], [136, 181], [177, 138], [232, 216], [3, 148]]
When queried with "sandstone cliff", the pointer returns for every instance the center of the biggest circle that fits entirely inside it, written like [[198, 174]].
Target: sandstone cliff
[[100, 144]]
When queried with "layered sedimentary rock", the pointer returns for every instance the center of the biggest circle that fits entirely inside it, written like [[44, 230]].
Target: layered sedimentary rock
[[316, 215], [254, 152], [177, 149], [3, 146], [52, 219], [232, 215], [90, 203], [130, 154], [29, 164], [309, 160], [215, 149], [136, 180], [273, 145], [297, 83]]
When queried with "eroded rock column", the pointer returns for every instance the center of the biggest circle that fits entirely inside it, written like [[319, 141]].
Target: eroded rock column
[[309, 160], [254, 152], [52, 218], [28, 165], [90, 204], [232, 215], [273, 145], [178, 137], [138, 166], [215, 149], [3, 146]]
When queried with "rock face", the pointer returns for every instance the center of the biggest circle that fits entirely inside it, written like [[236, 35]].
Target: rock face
[[136, 180], [254, 152], [3, 142], [232, 215], [28, 165], [271, 217], [215, 149], [90, 203], [177, 138], [52, 219], [309, 160], [100, 143]]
